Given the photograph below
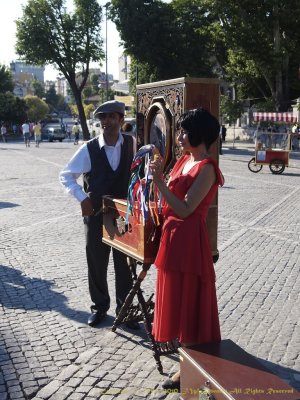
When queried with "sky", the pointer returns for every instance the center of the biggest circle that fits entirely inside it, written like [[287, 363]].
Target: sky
[[11, 10]]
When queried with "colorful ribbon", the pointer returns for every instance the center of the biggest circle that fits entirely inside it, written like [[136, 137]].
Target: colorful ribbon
[[141, 189]]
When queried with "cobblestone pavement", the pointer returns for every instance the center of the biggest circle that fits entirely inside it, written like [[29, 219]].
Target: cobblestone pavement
[[48, 351]]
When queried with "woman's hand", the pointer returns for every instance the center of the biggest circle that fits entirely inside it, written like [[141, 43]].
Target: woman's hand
[[156, 168]]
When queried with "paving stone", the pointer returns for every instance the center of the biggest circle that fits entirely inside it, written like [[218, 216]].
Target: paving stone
[[76, 396], [81, 374], [83, 389], [14, 389], [87, 355], [30, 391], [3, 396], [67, 372], [62, 394], [3, 388], [47, 391], [95, 392]]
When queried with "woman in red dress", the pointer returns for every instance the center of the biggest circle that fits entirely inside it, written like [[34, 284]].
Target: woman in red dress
[[186, 304]]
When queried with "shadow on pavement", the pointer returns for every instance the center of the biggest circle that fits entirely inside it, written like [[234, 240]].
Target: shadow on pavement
[[18, 291], [283, 372], [289, 174], [144, 342], [237, 151], [6, 204]]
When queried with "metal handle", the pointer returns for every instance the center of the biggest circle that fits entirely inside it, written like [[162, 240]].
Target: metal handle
[[122, 227]]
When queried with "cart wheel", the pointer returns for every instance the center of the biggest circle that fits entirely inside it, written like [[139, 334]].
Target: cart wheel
[[276, 167], [253, 166]]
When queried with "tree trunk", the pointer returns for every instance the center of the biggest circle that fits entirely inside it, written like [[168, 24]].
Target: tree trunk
[[285, 83], [82, 118], [277, 53]]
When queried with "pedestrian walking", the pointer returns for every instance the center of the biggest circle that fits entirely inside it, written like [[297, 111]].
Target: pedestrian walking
[[104, 162], [69, 131], [26, 133], [3, 133], [37, 130], [186, 303], [223, 133], [75, 131]]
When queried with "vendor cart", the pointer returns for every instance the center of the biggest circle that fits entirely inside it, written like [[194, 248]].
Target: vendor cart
[[272, 147]]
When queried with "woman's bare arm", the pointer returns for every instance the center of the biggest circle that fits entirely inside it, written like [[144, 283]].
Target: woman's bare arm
[[197, 192]]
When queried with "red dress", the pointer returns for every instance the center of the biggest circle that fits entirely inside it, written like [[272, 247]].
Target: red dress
[[186, 305]]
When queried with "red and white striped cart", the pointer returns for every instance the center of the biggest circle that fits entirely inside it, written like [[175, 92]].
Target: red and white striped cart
[[272, 147]]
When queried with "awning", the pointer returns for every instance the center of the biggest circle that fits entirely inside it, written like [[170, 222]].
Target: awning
[[275, 117]]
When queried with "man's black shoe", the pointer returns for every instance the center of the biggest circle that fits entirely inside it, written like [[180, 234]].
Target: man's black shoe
[[96, 317], [169, 384], [132, 325]]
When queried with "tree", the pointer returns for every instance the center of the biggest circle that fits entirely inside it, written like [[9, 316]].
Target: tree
[[88, 109], [12, 108], [37, 109], [230, 110], [176, 42], [6, 82], [92, 86], [253, 44], [38, 89], [52, 98], [47, 33], [263, 45]]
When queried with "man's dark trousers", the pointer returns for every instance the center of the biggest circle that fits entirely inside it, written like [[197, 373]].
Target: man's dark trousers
[[97, 254]]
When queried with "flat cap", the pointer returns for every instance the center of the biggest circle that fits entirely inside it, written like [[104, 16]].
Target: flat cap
[[110, 106]]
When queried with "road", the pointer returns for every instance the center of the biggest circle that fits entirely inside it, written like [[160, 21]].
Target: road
[[46, 348]]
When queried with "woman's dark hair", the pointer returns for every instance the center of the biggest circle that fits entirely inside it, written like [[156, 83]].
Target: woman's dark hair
[[127, 127], [201, 127]]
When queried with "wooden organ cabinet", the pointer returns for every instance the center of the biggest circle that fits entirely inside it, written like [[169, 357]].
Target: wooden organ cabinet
[[159, 106]]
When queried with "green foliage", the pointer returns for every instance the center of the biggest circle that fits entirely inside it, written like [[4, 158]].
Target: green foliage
[[262, 41], [265, 106], [12, 108], [48, 33], [37, 109], [94, 82], [6, 83], [87, 92], [252, 44], [168, 41], [38, 89], [88, 109], [52, 98], [74, 110], [230, 110]]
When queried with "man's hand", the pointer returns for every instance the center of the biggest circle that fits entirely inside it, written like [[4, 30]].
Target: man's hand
[[87, 207]]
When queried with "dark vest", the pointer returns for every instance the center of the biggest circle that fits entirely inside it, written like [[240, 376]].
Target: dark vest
[[102, 179]]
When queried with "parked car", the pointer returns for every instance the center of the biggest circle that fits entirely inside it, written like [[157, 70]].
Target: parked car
[[52, 133]]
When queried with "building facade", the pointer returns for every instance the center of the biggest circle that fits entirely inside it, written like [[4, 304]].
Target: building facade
[[23, 75]]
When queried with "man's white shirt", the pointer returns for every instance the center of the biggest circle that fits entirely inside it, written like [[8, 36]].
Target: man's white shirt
[[80, 164]]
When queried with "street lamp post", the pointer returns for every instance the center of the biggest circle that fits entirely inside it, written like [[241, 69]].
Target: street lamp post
[[106, 70]]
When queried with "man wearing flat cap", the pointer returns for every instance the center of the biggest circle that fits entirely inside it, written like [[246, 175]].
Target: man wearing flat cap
[[104, 162]]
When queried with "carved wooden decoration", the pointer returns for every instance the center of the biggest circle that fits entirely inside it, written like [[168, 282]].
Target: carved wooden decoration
[[159, 106]]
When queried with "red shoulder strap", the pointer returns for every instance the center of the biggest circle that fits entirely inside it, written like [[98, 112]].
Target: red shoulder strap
[[220, 177]]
